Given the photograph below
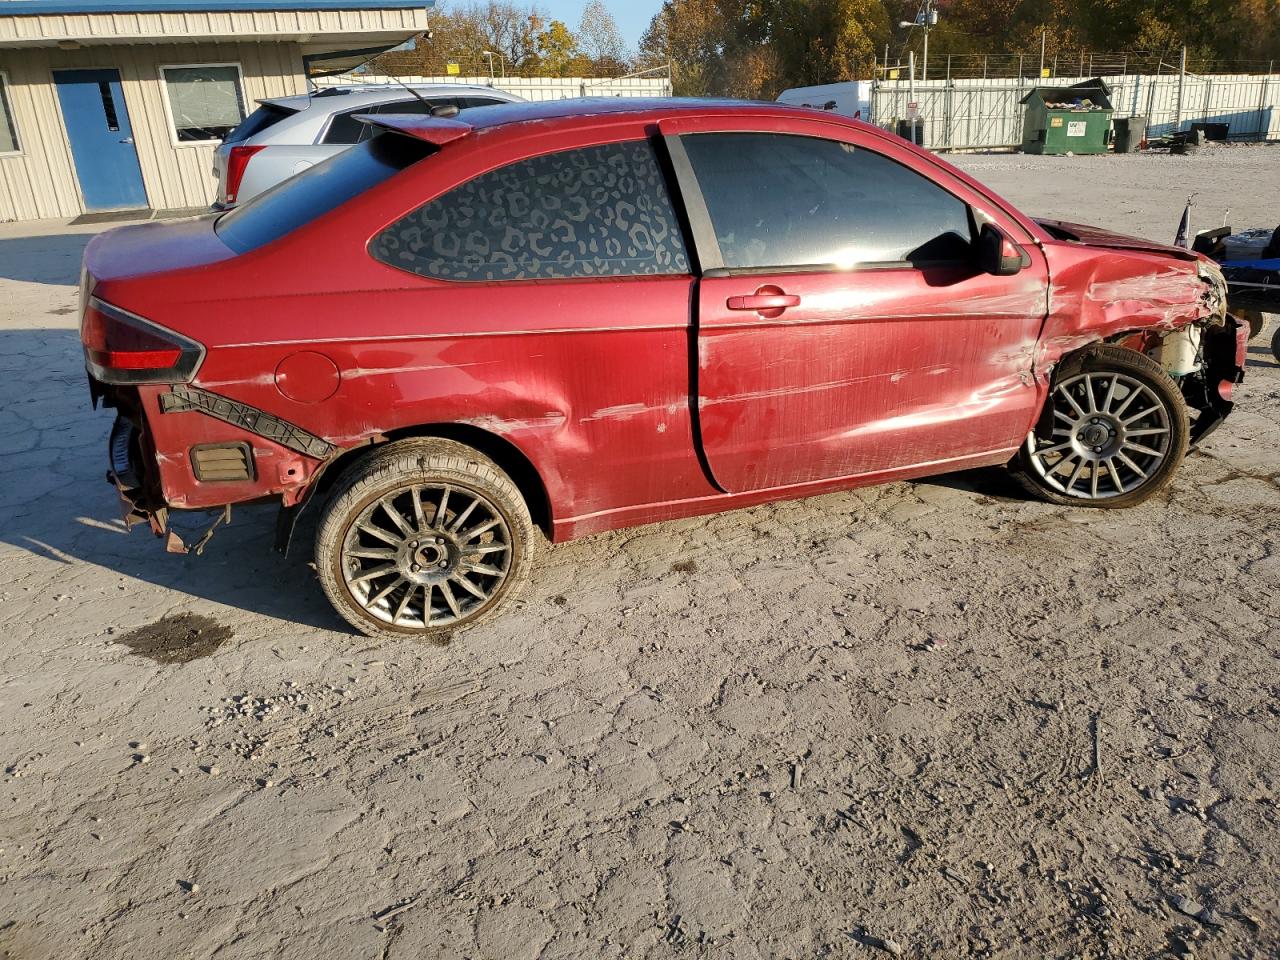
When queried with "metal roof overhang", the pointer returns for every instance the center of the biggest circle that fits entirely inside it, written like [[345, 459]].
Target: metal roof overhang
[[324, 24]]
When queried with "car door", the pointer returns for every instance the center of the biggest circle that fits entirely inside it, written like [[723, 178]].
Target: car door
[[843, 326]]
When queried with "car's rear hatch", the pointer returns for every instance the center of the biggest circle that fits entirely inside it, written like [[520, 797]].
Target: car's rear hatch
[[268, 114]]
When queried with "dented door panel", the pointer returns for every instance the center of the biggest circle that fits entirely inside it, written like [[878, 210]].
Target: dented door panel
[[873, 370]]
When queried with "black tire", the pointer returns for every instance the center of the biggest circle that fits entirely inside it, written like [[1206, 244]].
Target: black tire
[[439, 577], [1275, 344], [1076, 434], [1256, 319]]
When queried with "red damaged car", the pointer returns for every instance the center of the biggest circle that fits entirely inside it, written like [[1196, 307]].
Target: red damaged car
[[583, 315]]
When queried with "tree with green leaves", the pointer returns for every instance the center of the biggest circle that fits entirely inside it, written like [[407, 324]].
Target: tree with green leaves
[[558, 49]]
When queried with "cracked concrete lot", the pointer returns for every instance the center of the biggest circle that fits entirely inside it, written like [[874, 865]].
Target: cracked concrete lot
[[932, 719]]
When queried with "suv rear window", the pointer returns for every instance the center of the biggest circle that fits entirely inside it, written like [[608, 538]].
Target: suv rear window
[[267, 115], [345, 128], [314, 192]]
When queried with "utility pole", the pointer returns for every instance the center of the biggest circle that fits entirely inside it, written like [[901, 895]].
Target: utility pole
[[911, 93], [1182, 83], [924, 67], [925, 19], [1043, 33]]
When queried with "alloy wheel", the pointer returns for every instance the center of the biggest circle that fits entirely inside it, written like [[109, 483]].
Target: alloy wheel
[[427, 556], [1110, 435]]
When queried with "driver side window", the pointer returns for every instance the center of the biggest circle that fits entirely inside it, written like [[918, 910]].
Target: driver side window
[[780, 200]]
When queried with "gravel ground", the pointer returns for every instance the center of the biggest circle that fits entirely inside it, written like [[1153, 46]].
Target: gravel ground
[[931, 719]]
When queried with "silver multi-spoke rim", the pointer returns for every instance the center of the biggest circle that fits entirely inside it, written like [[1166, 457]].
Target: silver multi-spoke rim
[[426, 556], [1111, 433]]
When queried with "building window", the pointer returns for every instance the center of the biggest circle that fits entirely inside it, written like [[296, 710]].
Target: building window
[[8, 126], [206, 101]]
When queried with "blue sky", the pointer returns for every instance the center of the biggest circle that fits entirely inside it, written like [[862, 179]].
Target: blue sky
[[633, 16]]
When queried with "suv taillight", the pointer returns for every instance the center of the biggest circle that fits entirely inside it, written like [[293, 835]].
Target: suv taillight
[[237, 163], [122, 348]]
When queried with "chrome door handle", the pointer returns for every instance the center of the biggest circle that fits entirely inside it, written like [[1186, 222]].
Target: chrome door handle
[[127, 140]]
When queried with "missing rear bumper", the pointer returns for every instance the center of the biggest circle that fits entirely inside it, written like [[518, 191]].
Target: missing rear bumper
[[138, 502]]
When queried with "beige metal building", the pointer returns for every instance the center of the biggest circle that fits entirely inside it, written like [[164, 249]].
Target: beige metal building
[[119, 104]]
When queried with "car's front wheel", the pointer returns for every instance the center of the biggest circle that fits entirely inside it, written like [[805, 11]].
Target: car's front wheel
[[421, 539], [1113, 436]]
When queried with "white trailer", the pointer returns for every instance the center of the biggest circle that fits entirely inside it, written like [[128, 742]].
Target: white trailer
[[849, 99]]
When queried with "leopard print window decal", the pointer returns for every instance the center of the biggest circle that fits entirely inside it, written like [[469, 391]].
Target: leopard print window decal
[[595, 212]]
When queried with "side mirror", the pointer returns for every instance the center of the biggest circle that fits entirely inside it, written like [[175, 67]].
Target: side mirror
[[998, 255]]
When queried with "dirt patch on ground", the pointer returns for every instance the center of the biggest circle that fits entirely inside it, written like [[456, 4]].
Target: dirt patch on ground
[[177, 639]]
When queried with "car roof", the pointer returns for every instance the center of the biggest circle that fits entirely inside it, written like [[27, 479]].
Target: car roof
[[332, 99], [584, 111], [586, 108]]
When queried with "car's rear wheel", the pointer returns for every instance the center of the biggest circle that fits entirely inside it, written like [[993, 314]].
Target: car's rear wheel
[[423, 538], [1113, 436]]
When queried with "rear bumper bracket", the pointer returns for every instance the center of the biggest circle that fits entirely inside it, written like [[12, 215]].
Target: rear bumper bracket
[[183, 399]]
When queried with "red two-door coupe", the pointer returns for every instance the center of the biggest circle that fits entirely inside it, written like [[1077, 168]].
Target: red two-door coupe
[[583, 315]]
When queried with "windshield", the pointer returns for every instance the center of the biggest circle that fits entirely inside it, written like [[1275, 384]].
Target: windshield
[[297, 201]]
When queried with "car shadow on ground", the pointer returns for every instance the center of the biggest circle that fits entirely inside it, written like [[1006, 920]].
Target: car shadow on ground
[[238, 569], [1261, 356], [55, 503], [51, 258], [996, 483]]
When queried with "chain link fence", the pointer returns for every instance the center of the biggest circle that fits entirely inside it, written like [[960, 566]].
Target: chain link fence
[[978, 114], [1067, 63]]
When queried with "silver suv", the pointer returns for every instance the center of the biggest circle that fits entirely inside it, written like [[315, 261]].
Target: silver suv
[[287, 135]]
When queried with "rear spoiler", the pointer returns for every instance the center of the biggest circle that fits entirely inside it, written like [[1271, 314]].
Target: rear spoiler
[[280, 103], [437, 130]]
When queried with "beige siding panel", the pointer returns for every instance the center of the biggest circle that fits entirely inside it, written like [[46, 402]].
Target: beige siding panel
[[41, 181]]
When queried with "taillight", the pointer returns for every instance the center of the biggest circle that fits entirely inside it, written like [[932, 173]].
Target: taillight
[[237, 163], [120, 347]]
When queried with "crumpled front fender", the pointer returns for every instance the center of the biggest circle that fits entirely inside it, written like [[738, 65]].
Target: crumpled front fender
[[1098, 297]]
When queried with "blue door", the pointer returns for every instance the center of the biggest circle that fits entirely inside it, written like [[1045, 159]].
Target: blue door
[[101, 139]]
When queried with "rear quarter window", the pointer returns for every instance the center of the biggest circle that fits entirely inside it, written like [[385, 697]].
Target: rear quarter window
[[594, 212], [264, 118], [314, 192]]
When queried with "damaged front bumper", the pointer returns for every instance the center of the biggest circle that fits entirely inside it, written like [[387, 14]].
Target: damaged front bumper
[[1211, 390]]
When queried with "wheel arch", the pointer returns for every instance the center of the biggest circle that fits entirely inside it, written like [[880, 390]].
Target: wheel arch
[[510, 459], [513, 461], [1135, 340]]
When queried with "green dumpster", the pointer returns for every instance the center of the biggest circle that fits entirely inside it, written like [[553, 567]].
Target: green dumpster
[[1074, 119]]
